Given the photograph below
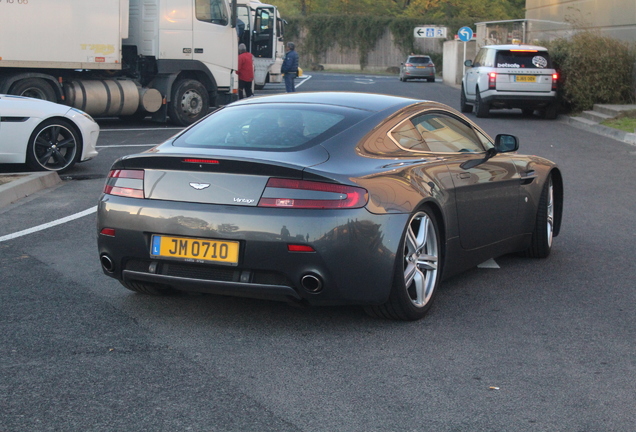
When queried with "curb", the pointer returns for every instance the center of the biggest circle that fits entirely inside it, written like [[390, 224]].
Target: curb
[[26, 185], [590, 126]]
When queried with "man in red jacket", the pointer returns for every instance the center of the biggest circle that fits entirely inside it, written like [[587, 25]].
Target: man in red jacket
[[245, 72]]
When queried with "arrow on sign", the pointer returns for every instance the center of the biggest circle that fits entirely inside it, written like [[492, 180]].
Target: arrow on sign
[[465, 33], [419, 32]]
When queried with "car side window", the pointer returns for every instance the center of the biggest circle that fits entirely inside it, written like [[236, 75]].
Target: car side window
[[479, 59], [407, 136], [485, 141], [489, 58], [442, 133]]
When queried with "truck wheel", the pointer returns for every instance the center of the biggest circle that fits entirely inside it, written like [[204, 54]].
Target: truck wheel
[[190, 102], [55, 145], [36, 88]]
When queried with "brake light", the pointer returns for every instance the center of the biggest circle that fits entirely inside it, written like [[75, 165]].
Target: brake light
[[408, 64], [126, 183], [492, 80], [555, 78], [201, 161], [431, 64], [523, 50], [289, 193], [300, 248]]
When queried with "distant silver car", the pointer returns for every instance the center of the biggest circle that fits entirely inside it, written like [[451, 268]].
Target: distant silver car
[[417, 67], [46, 136]]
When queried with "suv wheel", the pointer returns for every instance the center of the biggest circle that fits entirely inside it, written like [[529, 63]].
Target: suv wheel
[[463, 106], [481, 108]]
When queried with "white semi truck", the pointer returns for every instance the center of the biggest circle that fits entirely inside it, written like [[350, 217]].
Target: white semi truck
[[263, 37], [128, 58]]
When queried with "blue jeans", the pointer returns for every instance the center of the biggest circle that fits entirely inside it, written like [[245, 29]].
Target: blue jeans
[[290, 86]]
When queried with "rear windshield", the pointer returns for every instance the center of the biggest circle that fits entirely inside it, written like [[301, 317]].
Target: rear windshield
[[273, 127], [419, 60], [523, 59]]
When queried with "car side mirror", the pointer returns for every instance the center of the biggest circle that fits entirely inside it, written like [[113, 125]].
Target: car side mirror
[[468, 63], [506, 143]]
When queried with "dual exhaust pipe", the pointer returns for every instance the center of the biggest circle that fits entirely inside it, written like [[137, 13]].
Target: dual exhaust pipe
[[309, 281]]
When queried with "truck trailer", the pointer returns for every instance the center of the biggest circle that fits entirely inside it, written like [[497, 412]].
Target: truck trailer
[[171, 59]]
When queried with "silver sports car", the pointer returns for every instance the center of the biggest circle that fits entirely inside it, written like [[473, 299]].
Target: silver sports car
[[325, 198]]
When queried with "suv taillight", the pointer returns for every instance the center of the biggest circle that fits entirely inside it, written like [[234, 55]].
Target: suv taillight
[[126, 183], [555, 78], [289, 193], [492, 80]]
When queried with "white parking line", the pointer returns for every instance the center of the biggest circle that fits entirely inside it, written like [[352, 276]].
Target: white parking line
[[490, 264], [127, 145], [49, 224]]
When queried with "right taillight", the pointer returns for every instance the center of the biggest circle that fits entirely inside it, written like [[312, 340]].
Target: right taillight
[[289, 193], [555, 78], [126, 183]]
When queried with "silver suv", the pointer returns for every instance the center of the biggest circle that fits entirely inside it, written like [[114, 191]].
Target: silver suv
[[510, 76]]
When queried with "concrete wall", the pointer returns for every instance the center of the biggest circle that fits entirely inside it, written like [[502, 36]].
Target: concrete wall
[[614, 18], [386, 54], [453, 68]]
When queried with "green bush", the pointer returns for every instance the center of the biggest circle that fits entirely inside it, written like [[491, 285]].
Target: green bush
[[593, 69]]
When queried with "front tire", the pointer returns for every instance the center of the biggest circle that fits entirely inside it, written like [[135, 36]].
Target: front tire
[[54, 145], [190, 102], [541, 242], [482, 110], [463, 106], [417, 273]]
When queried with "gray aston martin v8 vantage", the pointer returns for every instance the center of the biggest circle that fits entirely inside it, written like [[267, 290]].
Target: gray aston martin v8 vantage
[[325, 198]]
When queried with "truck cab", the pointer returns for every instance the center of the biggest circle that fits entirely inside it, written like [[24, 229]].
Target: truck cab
[[261, 30]]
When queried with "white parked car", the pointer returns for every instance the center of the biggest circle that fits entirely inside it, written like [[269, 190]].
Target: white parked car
[[46, 136], [510, 76]]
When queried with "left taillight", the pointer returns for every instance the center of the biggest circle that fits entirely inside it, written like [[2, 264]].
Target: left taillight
[[126, 183], [289, 193], [555, 79], [492, 80]]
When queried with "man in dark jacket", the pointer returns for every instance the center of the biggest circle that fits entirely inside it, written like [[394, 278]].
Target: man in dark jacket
[[290, 67]]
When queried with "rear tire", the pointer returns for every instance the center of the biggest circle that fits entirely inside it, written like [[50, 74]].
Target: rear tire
[[482, 110], [463, 106], [430, 79], [550, 112], [418, 268], [36, 88], [190, 102], [148, 288], [541, 242]]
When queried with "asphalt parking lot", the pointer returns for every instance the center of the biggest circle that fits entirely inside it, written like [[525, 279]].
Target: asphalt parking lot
[[518, 344]]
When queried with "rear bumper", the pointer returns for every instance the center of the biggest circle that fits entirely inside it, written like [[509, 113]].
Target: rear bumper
[[518, 99], [354, 250]]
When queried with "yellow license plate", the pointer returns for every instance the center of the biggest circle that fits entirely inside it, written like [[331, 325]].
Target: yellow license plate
[[525, 78], [195, 249]]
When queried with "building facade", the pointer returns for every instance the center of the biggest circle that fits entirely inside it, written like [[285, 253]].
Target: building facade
[[557, 18]]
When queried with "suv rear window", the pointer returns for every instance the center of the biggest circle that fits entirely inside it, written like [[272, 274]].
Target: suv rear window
[[419, 60], [523, 59]]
